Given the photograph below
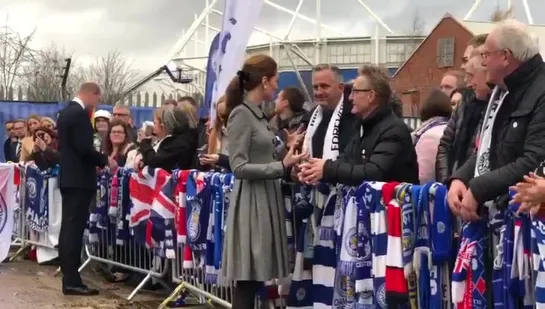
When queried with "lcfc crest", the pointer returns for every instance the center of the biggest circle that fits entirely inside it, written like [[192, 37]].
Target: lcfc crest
[[3, 213], [193, 225]]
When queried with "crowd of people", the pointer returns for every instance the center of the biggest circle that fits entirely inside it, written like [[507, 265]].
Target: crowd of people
[[482, 132]]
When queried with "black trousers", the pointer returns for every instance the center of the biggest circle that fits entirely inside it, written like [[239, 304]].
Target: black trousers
[[75, 212], [245, 294]]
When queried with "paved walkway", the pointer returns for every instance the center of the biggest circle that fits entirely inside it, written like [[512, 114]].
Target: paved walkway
[[26, 285]]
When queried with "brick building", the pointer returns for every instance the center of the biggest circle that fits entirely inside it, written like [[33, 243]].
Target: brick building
[[442, 50]]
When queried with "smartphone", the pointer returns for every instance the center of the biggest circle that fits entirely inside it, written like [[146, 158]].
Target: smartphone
[[202, 150]]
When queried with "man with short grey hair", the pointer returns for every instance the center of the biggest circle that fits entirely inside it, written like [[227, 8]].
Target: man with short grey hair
[[513, 131], [123, 112], [330, 124]]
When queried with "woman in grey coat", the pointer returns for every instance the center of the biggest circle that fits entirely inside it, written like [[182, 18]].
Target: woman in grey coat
[[255, 247]]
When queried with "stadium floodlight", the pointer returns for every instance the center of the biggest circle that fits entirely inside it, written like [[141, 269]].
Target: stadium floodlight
[[527, 10]]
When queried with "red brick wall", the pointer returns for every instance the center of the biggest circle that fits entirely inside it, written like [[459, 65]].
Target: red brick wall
[[421, 73]]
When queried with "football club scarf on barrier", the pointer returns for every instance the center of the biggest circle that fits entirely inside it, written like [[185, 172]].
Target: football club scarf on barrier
[[181, 219], [36, 199], [325, 258], [408, 228], [160, 225], [301, 291], [422, 260], [468, 284], [538, 233], [365, 201], [288, 196], [198, 210], [98, 219], [348, 238], [144, 186], [123, 223], [227, 182], [441, 245], [397, 293], [379, 245], [520, 281], [113, 204], [216, 190]]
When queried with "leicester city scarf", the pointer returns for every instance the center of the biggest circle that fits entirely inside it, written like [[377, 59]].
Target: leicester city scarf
[[408, 228], [36, 199], [198, 210], [300, 295], [216, 190], [324, 256], [347, 249], [379, 245], [422, 261], [220, 214], [441, 245], [538, 233], [98, 217], [126, 204], [366, 199]]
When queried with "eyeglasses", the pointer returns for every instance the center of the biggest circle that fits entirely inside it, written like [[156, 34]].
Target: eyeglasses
[[117, 133], [487, 54], [354, 90], [120, 115]]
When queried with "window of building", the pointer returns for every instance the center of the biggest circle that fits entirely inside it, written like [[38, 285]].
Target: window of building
[[395, 52], [445, 52]]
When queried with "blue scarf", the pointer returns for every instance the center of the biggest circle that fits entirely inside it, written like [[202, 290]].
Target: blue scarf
[[301, 291], [538, 233], [37, 199], [324, 255], [227, 181], [408, 213], [216, 190], [198, 210], [288, 196], [122, 221], [422, 254], [379, 244], [366, 200], [98, 218], [441, 245]]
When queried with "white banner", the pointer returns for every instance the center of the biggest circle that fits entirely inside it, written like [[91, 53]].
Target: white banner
[[7, 207], [239, 20]]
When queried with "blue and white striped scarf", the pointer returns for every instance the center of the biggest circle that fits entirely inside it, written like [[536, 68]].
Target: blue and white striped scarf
[[538, 234], [422, 261], [301, 291], [214, 219], [379, 245], [37, 198]]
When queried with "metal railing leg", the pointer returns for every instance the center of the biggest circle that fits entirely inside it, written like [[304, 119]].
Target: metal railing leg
[[24, 246], [139, 287]]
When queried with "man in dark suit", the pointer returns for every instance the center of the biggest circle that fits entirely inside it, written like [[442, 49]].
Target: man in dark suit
[[77, 180]]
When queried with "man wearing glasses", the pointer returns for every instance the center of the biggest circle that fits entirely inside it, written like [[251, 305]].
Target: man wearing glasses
[[513, 131], [381, 148], [123, 112]]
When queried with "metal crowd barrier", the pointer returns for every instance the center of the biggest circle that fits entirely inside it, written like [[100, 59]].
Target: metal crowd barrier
[[23, 236]]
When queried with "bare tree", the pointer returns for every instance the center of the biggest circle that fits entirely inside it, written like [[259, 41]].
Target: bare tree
[[499, 14], [15, 56], [44, 75], [114, 75], [416, 31]]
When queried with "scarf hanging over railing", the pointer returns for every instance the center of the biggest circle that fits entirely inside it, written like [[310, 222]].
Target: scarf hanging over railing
[[366, 199], [422, 260], [98, 218], [198, 210], [301, 291], [36, 199], [408, 229], [214, 219], [441, 245], [181, 219], [379, 245], [538, 233]]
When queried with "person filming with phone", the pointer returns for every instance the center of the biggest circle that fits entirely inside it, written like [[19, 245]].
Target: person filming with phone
[[43, 154]]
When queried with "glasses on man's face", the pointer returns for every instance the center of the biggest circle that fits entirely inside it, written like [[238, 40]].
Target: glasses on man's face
[[120, 115], [356, 90], [488, 53]]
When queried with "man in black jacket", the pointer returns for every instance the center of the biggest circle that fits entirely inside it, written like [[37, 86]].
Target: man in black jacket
[[513, 133], [77, 181], [381, 148], [458, 141]]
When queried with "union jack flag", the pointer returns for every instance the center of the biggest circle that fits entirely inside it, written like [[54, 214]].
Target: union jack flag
[[465, 254]]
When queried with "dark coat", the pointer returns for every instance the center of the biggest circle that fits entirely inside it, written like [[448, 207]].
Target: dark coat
[[446, 154], [176, 151], [79, 158], [384, 152], [518, 136]]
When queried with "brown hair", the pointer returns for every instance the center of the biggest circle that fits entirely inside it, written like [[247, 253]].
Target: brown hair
[[379, 80], [191, 112], [250, 77], [189, 99], [108, 146], [216, 129], [295, 98], [170, 102], [35, 117], [478, 40], [459, 75], [437, 104]]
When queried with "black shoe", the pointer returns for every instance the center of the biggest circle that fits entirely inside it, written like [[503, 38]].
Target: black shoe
[[79, 290]]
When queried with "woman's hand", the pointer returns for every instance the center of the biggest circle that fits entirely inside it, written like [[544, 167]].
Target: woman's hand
[[296, 138], [530, 193], [209, 159], [293, 158], [40, 144]]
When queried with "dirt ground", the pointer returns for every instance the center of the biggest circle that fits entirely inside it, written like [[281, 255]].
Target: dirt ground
[[26, 285]]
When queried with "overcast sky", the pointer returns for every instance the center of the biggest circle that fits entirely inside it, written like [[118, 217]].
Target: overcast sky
[[146, 30]]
